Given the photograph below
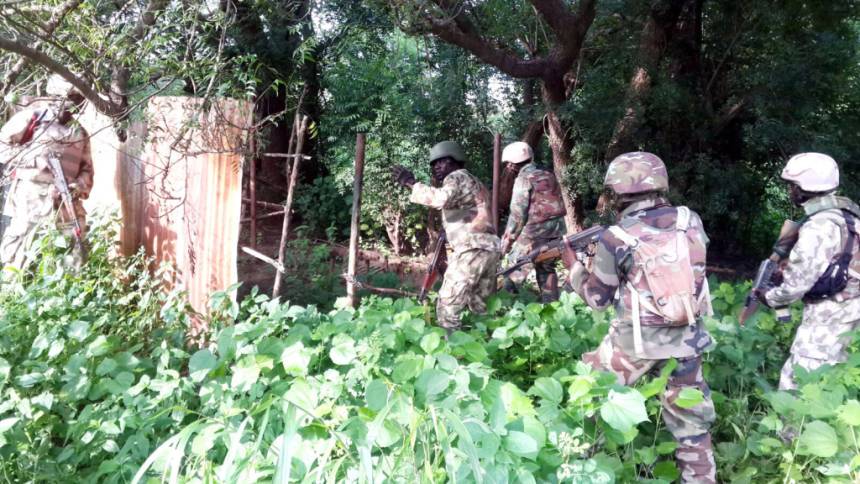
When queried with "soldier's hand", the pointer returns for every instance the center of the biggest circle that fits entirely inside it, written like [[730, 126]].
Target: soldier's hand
[[506, 245], [568, 256], [403, 176]]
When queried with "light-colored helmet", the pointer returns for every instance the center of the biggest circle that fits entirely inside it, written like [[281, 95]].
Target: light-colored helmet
[[636, 172], [445, 149], [517, 152], [59, 86], [812, 172]]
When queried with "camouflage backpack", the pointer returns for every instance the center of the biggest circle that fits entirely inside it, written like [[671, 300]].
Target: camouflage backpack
[[661, 280], [546, 202]]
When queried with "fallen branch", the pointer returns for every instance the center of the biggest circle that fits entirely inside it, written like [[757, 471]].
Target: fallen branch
[[361, 286]]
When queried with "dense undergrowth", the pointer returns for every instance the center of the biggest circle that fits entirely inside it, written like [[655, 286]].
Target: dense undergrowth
[[99, 385]]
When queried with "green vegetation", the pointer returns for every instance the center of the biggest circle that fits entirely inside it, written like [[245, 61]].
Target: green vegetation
[[99, 385]]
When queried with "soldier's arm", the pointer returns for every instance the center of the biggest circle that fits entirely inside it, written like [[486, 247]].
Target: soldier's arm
[[438, 198], [598, 287], [819, 240], [13, 130], [84, 180], [519, 210]]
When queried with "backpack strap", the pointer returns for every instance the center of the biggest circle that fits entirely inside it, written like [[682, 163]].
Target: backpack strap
[[629, 240], [682, 222], [851, 224]]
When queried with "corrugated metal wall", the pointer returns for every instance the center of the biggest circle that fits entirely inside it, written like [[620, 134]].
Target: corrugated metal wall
[[178, 182]]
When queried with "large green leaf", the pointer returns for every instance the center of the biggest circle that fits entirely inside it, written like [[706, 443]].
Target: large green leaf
[[623, 410], [818, 439], [849, 413], [343, 350], [431, 382], [689, 397], [548, 389], [521, 444], [200, 364]]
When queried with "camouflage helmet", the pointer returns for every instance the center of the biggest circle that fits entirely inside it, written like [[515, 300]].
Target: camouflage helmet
[[517, 152], [812, 172], [636, 172], [445, 149]]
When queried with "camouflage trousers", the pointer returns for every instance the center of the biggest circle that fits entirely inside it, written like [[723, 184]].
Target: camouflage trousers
[[469, 280], [30, 208], [816, 345], [689, 426], [545, 274]]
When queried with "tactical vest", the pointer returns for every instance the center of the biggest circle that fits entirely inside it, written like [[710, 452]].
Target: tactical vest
[[546, 202], [850, 246]]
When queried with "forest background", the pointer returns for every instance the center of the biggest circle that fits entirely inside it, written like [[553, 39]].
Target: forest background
[[723, 91]]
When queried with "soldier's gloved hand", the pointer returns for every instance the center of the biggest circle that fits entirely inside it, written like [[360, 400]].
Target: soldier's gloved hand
[[506, 244], [403, 176]]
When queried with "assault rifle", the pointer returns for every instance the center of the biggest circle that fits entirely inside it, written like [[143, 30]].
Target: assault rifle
[[433, 268], [553, 250], [764, 278], [67, 202]]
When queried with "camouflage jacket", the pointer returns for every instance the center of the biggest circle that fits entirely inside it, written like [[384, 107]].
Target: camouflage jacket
[[28, 162], [465, 205], [537, 210], [822, 236], [605, 284]]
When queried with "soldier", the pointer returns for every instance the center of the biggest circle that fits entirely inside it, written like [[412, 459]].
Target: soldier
[[34, 135], [537, 216], [466, 219], [657, 317], [823, 267]]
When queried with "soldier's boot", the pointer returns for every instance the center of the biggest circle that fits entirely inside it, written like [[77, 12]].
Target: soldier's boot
[[547, 281], [695, 459], [510, 287]]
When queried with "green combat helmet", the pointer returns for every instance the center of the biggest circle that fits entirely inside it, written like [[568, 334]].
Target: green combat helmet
[[636, 172], [447, 148]]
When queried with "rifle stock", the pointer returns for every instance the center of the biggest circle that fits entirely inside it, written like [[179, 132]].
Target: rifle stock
[[432, 268], [68, 203]]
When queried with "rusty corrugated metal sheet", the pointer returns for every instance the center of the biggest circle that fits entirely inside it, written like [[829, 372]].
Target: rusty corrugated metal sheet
[[191, 202]]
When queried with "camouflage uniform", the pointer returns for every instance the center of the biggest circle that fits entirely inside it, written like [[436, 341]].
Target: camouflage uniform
[[822, 337], [471, 274], [537, 217], [660, 342], [31, 199]]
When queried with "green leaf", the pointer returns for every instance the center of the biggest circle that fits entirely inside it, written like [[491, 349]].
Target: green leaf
[[521, 444], [818, 439], [548, 389], [296, 359], [666, 470], [376, 395], [407, 368], [516, 402], [689, 397], [245, 373], [430, 342], [200, 364], [431, 382], [665, 448], [622, 411], [343, 350], [849, 413]]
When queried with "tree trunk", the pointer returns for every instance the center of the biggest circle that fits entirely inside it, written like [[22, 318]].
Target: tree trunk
[[561, 144], [655, 35]]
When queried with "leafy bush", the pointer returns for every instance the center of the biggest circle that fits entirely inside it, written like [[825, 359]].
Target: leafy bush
[[98, 385]]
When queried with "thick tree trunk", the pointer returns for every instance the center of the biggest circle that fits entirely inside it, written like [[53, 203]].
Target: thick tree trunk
[[561, 144], [655, 35]]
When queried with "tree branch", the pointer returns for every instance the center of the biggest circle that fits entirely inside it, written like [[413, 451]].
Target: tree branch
[[559, 18], [460, 32], [103, 105], [57, 17]]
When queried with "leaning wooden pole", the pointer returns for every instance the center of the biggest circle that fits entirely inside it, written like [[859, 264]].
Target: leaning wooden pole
[[357, 187], [252, 189], [497, 173], [288, 205]]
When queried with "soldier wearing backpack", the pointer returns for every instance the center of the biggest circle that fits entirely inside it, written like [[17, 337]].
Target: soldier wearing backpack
[[823, 268], [651, 265]]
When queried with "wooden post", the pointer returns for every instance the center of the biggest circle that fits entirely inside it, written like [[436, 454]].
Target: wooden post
[[252, 182], [288, 205], [357, 186], [497, 172]]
